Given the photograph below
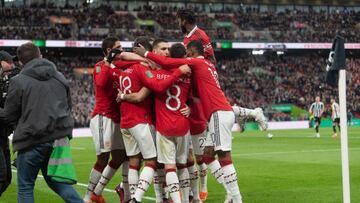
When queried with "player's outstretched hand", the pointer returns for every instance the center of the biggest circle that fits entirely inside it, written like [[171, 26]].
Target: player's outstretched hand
[[185, 69], [185, 111], [118, 98], [140, 50], [112, 55], [152, 64]]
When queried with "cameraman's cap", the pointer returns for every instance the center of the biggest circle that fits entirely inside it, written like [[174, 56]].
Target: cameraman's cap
[[5, 56]]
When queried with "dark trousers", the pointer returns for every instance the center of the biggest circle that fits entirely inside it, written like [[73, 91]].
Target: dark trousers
[[5, 164], [29, 163]]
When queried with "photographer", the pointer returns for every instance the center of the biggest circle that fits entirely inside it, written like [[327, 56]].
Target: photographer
[[7, 68]]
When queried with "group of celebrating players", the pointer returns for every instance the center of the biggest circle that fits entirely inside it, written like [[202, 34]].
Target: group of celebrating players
[[176, 89]]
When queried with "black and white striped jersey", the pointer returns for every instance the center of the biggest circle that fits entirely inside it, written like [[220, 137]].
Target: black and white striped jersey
[[316, 108], [335, 108]]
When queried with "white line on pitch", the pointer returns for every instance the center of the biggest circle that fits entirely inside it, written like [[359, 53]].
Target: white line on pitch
[[113, 191], [84, 185]]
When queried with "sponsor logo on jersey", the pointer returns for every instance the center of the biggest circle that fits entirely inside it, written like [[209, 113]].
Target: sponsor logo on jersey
[[149, 74], [98, 69]]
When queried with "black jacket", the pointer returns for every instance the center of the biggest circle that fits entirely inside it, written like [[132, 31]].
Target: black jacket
[[39, 104], [5, 130]]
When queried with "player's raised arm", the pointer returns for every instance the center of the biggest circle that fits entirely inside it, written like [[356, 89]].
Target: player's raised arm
[[129, 56], [118, 54], [125, 60], [165, 62], [120, 64], [208, 49], [116, 58], [159, 86]]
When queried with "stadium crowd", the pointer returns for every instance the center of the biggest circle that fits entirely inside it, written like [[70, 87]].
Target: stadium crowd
[[262, 81], [88, 23], [82, 91], [249, 81]]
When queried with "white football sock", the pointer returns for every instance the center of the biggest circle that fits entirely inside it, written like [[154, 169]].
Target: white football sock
[[172, 183], [193, 172], [106, 176], [133, 181], [230, 179], [203, 177], [184, 181], [93, 181], [217, 172], [145, 180], [159, 179]]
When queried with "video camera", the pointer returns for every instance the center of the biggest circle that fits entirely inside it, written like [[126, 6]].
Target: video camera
[[4, 83]]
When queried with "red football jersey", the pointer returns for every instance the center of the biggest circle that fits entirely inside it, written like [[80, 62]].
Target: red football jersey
[[169, 120], [105, 92], [205, 81], [134, 113], [199, 34], [132, 80], [197, 119]]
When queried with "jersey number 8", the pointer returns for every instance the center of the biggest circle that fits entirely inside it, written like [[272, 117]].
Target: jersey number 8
[[174, 97]]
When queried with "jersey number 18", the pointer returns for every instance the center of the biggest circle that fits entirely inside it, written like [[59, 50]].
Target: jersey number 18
[[125, 86]]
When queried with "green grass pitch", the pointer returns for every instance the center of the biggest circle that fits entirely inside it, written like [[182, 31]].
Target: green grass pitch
[[293, 167]]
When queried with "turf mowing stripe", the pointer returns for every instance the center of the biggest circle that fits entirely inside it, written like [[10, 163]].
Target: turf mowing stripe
[[288, 152], [85, 185]]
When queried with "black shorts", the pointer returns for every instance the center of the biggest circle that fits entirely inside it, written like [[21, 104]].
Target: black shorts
[[336, 120], [317, 120]]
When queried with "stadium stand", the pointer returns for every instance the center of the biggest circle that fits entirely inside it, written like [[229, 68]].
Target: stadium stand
[[88, 23]]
